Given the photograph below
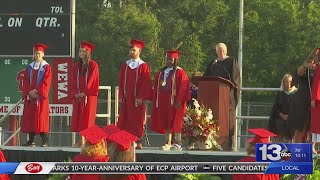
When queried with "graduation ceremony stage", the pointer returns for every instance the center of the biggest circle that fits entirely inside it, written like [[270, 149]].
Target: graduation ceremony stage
[[61, 154]]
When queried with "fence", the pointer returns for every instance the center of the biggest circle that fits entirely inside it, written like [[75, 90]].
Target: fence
[[253, 114]]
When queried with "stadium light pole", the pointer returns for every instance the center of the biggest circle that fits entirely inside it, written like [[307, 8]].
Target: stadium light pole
[[73, 53], [238, 111]]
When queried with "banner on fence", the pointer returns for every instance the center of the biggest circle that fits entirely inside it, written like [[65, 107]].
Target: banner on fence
[[55, 109]]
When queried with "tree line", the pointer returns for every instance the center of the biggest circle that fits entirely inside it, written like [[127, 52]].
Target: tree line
[[278, 34]]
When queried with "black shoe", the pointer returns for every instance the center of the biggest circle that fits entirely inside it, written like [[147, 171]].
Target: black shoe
[[30, 144], [44, 137]]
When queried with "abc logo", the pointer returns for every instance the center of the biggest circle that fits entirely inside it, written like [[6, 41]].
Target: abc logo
[[273, 152], [285, 154]]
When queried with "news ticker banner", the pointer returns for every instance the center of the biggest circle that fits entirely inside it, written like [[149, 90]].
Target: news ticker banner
[[131, 168], [291, 158], [136, 168]]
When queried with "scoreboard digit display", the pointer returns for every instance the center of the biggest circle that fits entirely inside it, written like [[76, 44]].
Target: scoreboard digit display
[[9, 78], [23, 23], [35, 6]]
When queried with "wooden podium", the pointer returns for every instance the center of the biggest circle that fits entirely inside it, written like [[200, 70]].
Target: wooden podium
[[214, 93]]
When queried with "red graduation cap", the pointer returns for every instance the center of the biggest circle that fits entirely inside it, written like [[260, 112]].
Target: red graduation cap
[[88, 46], [173, 54], [123, 139], [94, 134], [40, 47], [261, 135], [137, 43], [111, 129]]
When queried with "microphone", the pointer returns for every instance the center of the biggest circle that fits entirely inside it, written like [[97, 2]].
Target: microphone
[[216, 63]]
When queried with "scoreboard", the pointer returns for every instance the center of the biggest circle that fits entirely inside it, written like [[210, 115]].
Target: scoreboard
[[34, 6], [23, 23]]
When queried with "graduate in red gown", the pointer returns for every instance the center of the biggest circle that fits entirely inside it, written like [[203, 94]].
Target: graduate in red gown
[[315, 104], [122, 150], [261, 136], [170, 96], [135, 87], [85, 89], [35, 117], [94, 150], [299, 116], [3, 159]]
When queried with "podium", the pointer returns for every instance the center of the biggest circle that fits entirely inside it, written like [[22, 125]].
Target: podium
[[214, 93]]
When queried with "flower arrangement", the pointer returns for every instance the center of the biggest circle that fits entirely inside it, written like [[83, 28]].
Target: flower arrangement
[[199, 126]]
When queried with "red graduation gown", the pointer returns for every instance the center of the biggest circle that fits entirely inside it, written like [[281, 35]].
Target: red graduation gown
[[84, 109], [3, 159], [164, 115], [254, 176], [132, 118], [131, 177], [315, 95], [83, 158], [35, 117]]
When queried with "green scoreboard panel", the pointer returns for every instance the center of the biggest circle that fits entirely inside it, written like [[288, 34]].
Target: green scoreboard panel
[[9, 69]]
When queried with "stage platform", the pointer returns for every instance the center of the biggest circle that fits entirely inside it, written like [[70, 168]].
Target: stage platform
[[61, 154]]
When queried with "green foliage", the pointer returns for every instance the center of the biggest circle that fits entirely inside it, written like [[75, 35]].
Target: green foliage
[[57, 177], [114, 29], [316, 169], [278, 34], [288, 177], [197, 177]]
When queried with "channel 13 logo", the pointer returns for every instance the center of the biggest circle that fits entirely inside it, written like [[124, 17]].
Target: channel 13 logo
[[272, 152]]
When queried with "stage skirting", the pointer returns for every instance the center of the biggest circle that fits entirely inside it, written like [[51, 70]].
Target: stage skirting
[[55, 154]]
